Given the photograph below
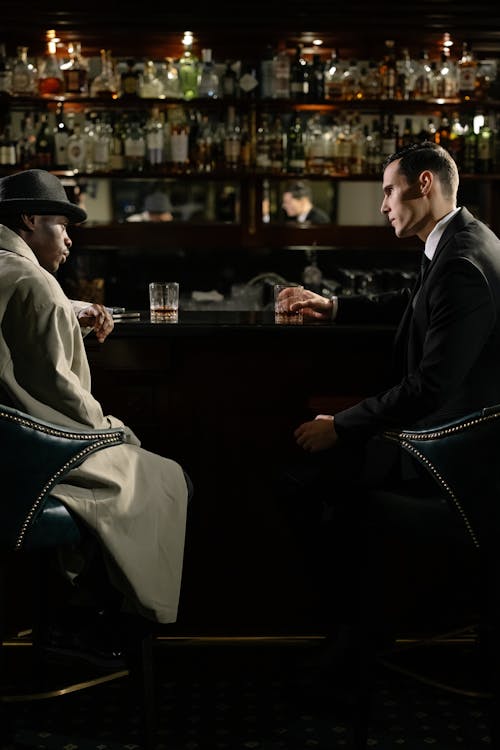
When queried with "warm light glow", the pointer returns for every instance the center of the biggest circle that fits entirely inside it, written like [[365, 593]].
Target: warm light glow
[[317, 42], [188, 38]]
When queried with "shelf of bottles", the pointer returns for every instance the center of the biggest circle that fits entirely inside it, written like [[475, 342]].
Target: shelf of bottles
[[292, 113]]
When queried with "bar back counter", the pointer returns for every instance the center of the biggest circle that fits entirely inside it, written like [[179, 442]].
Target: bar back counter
[[221, 392]]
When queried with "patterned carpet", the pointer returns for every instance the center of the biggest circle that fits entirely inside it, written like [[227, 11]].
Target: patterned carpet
[[242, 696]]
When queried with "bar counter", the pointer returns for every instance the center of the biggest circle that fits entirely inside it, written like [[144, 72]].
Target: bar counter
[[221, 392]]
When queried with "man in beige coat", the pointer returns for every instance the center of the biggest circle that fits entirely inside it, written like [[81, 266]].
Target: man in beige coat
[[133, 500]]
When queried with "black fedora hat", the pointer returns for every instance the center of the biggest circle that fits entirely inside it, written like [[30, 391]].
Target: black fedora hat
[[36, 191]]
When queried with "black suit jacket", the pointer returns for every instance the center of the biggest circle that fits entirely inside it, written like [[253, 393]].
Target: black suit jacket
[[447, 347]]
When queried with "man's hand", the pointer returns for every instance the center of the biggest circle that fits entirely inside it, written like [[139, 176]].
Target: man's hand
[[97, 317], [317, 435], [313, 305]]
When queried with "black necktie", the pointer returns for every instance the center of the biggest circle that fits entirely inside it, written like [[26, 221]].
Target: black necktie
[[424, 263]]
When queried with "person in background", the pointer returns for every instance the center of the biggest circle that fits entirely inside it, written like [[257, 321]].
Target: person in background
[[157, 207], [446, 365], [298, 205], [132, 501]]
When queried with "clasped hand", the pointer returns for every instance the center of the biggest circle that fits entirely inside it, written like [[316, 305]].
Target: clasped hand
[[97, 317], [317, 435]]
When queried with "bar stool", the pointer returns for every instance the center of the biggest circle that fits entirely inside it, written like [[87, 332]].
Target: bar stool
[[35, 456], [462, 459]]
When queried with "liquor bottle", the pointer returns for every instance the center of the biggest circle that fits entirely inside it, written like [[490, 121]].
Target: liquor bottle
[[102, 144], [105, 84], [155, 138], [333, 78], [26, 143], [208, 80], [248, 83], [442, 135], [470, 148], [75, 71], [485, 148], [179, 146], [277, 146], [299, 77], [204, 152], [232, 140], [295, 151], [406, 76], [44, 144], [407, 137], [171, 81], [373, 149], [263, 145], [129, 81], [267, 74], [151, 86], [61, 135], [5, 71], [371, 83], [317, 80], [188, 68], [135, 147], [117, 143], [467, 74], [8, 152], [443, 78], [388, 72], [389, 141], [247, 149], [50, 75], [350, 82], [315, 145], [281, 73], [457, 140], [423, 88], [229, 81], [77, 149], [24, 75]]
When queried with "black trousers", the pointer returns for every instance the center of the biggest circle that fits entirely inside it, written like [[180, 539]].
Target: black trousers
[[379, 542]]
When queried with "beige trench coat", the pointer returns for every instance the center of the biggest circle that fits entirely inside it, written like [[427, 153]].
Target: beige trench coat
[[134, 500]]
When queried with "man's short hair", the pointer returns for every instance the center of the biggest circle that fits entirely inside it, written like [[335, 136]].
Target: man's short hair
[[299, 189], [417, 157]]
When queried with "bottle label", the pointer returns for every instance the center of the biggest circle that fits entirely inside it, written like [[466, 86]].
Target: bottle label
[[248, 82]]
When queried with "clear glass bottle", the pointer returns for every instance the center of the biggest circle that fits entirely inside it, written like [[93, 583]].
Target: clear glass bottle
[[44, 144], [50, 75], [485, 148], [102, 144], [5, 71], [135, 147], [188, 68], [423, 85], [281, 73], [150, 84], [77, 149], [299, 77], [229, 81], [333, 78], [295, 150], [467, 73], [75, 71], [105, 84], [155, 138], [388, 72], [24, 75], [61, 135], [208, 80]]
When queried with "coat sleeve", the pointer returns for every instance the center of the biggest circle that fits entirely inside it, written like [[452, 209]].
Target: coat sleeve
[[461, 316], [48, 359]]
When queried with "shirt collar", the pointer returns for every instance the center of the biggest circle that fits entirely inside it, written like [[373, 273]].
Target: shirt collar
[[432, 240]]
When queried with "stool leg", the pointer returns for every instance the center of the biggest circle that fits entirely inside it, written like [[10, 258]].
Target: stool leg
[[139, 652]]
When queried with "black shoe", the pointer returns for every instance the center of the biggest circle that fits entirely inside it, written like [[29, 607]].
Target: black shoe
[[95, 643]]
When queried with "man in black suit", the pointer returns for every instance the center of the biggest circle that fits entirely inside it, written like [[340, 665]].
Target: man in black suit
[[297, 203], [446, 365]]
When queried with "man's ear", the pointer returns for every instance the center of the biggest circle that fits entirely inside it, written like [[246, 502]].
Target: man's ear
[[425, 181], [28, 221]]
